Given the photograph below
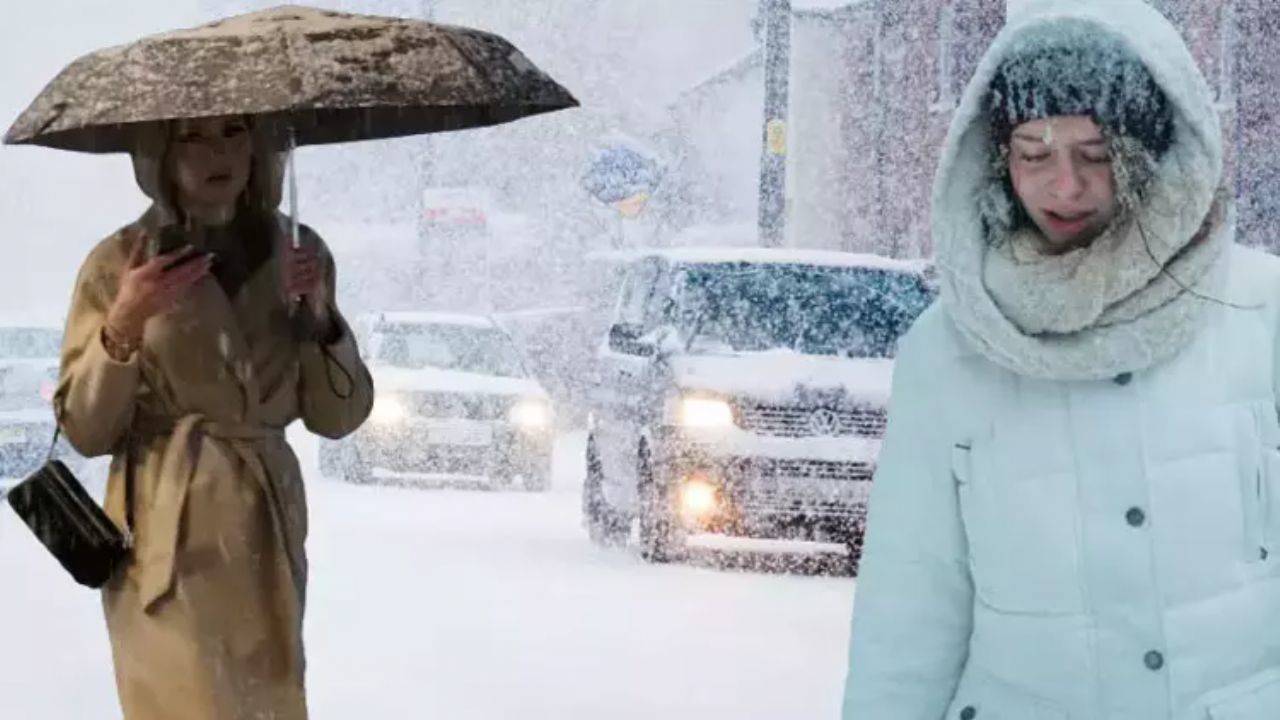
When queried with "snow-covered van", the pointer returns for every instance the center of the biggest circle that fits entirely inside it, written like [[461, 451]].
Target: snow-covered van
[[454, 403], [743, 391]]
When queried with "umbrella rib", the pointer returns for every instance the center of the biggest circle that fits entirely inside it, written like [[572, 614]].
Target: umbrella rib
[[470, 59], [58, 110], [294, 75]]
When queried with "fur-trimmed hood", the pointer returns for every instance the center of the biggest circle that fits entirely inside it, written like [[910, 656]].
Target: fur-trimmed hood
[[1137, 295]]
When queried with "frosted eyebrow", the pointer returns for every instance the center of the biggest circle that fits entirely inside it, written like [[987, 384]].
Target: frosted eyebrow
[[1039, 140]]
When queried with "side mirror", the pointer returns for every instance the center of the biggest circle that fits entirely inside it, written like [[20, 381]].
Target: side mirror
[[626, 338]]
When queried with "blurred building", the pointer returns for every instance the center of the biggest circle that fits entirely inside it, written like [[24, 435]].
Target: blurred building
[[874, 84], [1237, 44]]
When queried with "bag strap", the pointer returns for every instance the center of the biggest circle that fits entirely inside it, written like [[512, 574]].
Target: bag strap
[[57, 432], [128, 486], [128, 469]]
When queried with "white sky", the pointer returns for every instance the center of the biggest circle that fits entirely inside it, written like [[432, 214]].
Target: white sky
[[55, 205]]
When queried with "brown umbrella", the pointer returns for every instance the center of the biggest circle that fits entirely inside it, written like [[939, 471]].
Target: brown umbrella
[[321, 76], [308, 76]]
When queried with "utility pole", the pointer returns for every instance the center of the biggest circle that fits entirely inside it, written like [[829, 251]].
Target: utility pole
[[429, 270], [775, 15]]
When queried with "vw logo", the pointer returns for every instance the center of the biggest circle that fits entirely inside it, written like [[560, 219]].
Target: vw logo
[[824, 422]]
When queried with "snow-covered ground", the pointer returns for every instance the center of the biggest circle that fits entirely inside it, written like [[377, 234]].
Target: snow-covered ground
[[459, 604]]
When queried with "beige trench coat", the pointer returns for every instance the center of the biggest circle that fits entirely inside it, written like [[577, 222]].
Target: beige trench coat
[[206, 619]]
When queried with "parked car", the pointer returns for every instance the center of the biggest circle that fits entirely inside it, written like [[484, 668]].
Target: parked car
[[28, 378], [744, 392], [454, 402]]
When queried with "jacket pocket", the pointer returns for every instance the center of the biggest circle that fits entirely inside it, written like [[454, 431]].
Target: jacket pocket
[[983, 697], [1021, 533], [1260, 477], [1256, 698]]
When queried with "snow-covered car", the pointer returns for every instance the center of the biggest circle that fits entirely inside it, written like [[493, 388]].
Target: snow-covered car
[[454, 403], [743, 392], [28, 378]]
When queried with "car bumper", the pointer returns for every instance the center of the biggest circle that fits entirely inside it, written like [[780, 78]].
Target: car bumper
[[819, 495], [502, 451]]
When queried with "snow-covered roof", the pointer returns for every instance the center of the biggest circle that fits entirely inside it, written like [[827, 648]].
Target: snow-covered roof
[[391, 378], [434, 318], [805, 6], [735, 70], [766, 256], [539, 312]]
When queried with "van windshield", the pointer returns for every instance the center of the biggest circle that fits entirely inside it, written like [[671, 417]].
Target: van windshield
[[815, 310]]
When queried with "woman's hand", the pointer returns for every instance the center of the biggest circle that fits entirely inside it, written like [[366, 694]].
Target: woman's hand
[[152, 287], [304, 277]]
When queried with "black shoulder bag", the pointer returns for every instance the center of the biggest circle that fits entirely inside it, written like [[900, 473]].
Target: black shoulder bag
[[67, 521]]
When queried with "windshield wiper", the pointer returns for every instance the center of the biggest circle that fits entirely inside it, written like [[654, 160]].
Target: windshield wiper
[[697, 328]]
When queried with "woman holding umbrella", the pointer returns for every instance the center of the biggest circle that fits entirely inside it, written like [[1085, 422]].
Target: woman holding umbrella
[[187, 366], [187, 352]]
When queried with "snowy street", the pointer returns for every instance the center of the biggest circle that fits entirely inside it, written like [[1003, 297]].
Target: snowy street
[[460, 604]]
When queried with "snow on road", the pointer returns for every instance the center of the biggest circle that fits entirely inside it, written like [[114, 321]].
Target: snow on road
[[461, 604]]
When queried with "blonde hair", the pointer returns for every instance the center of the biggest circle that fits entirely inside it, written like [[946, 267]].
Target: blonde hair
[[151, 145]]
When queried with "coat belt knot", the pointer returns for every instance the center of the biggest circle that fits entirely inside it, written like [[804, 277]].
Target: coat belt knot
[[187, 436]]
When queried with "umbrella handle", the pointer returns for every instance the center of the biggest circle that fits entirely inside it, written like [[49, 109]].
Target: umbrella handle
[[294, 235], [295, 239]]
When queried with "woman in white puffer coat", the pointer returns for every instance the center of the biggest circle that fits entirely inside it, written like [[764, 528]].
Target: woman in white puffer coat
[[1077, 509]]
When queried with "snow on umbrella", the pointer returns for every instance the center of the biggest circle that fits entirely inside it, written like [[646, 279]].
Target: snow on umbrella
[[308, 76], [321, 76]]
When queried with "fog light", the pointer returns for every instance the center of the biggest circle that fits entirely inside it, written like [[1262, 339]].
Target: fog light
[[698, 498]]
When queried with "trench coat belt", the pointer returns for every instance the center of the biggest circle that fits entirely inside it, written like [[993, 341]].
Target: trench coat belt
[[158, 539]]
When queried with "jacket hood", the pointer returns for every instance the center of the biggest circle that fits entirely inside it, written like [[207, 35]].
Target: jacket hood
[[150, 145], [1175, 208]]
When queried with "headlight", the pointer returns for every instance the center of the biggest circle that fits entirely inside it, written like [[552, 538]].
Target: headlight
[[388, 410], [698, 497], [531, 414], [702, 412]]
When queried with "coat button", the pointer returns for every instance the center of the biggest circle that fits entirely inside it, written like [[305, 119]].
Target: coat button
[[1153, 660], [969, 713], [1135, 517], [1124, 378]]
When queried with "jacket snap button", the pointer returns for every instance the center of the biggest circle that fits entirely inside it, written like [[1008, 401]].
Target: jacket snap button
[[1135, 517], [1262, 553], [969, 713], [1124, 378], [1153, 660]]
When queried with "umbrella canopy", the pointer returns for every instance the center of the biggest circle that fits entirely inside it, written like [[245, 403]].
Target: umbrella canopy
[[326, 76]]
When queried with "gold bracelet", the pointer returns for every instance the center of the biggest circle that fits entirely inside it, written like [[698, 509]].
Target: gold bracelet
[[120, 350]]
